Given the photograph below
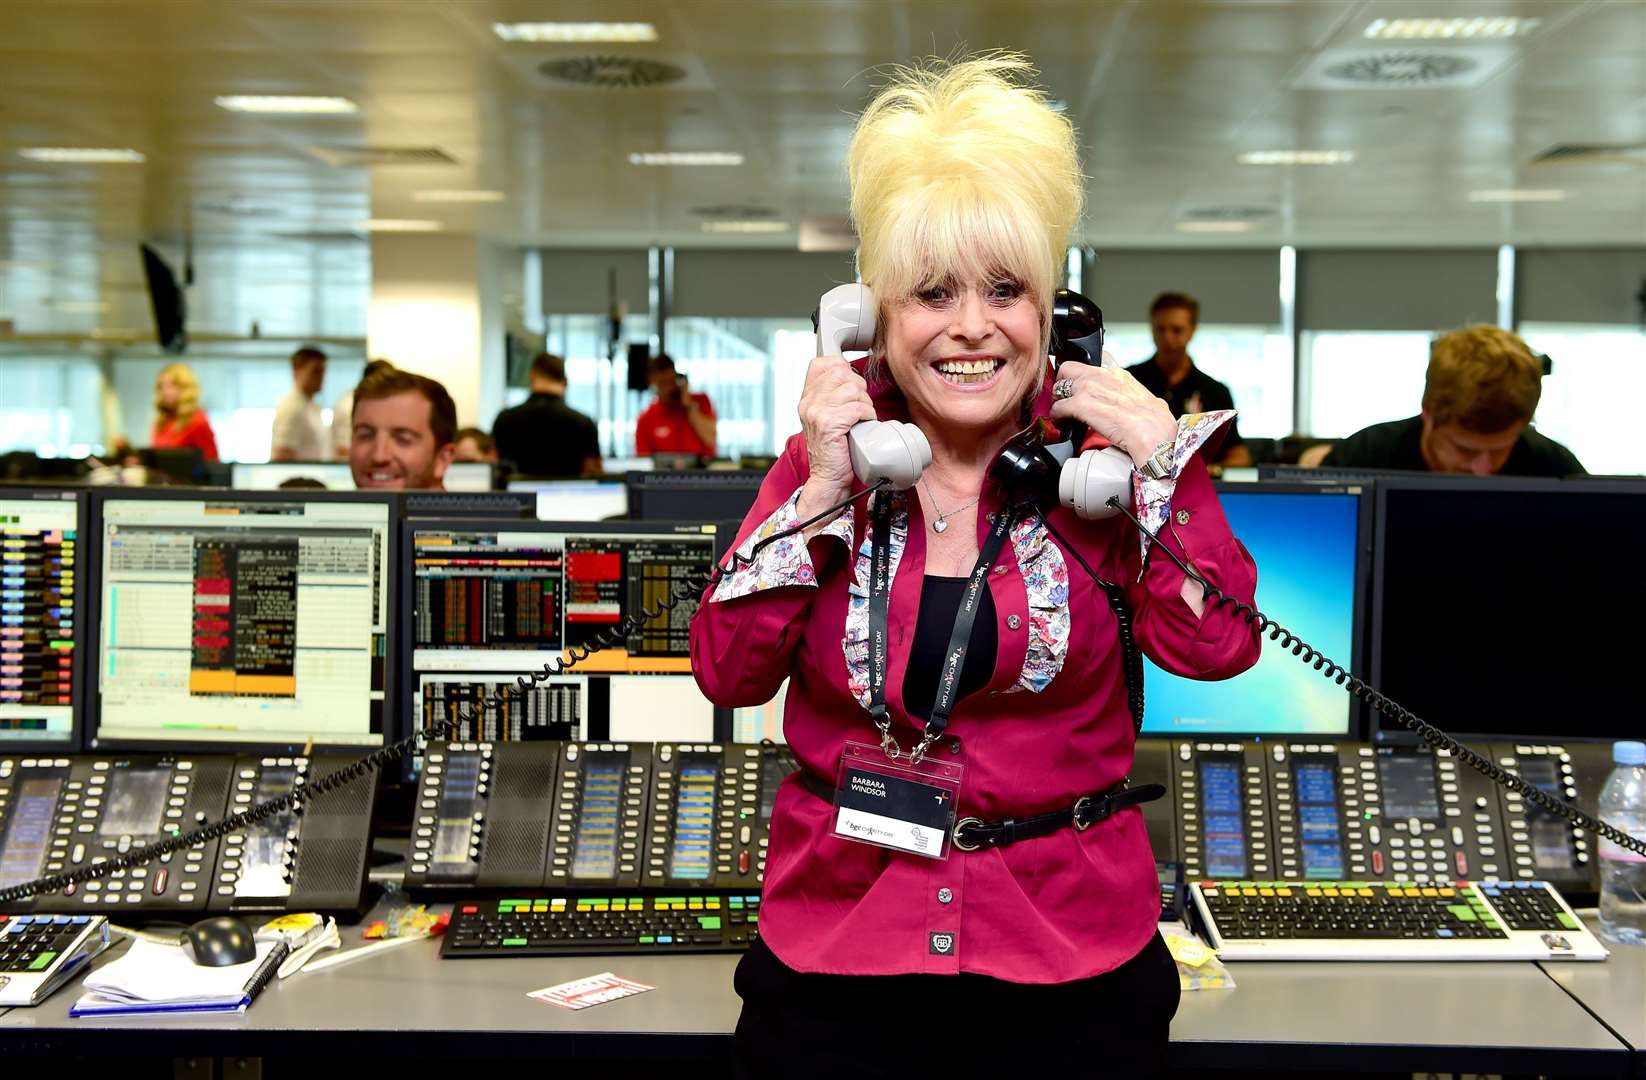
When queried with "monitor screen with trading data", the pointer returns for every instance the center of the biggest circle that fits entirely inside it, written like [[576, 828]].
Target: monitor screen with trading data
[[1309, 543], [40, 569], [491, 602], [335, 475], [1510, 607], [242, 620]]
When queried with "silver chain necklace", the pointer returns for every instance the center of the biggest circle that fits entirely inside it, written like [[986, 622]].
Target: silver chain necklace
[[940, 522]]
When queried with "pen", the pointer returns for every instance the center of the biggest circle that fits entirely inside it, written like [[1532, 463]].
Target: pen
[[265, 971]]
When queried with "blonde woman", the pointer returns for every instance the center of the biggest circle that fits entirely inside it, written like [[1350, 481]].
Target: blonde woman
[[1027, 947], [178, 418]]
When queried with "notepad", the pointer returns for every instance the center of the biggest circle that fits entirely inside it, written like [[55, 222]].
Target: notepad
[[164, 978]]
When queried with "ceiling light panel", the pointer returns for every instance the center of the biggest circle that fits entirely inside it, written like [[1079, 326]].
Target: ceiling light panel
[[583, 33], [287, 104], [81, 155], [1297, 157], [1479, 27], [398, 225], [746, 227], [1214, 226], [459, 196], [687, 157], [1490, 195]]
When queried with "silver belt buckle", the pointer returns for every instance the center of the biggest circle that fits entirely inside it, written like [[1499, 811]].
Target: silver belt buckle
[[1079, 805], [954, 834]]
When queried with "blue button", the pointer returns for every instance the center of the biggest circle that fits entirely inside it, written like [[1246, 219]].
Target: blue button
[[1444, 933], [60, 920], [22, 920], [665, 939], [81, 920]]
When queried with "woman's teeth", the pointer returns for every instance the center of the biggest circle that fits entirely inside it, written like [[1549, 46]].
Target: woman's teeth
[[968, 371]]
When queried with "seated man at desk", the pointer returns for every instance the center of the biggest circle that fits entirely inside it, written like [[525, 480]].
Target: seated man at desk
[[1479, 395], [404, 428]]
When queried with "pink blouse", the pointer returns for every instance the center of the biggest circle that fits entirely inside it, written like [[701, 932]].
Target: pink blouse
[[1051, 725]]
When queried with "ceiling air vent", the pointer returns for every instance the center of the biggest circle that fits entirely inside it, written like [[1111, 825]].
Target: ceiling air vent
[[1589, 153], [361, 157], [611, 72], [1403, 68]]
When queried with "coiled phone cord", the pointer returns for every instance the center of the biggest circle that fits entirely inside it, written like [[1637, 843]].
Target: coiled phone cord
[[1360, 689], [693, 585]]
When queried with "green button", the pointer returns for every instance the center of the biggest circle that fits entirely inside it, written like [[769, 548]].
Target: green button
[[709, 922], [514, 941], [1569, 922], [1463, 912], [1490, 924], [647, 940], [42, 961], [754, 916], [735, 901], [526, 902]]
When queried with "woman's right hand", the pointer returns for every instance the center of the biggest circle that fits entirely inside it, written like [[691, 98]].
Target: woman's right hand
[[833, 401]]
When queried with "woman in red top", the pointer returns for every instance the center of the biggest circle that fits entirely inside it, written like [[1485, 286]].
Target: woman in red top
[[1040, 952], [178, 418]]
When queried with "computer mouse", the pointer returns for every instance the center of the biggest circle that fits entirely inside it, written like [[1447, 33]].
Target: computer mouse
[[220, 942]]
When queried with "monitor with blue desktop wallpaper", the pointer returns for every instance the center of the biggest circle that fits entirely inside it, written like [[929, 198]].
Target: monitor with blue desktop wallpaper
[[1310, 544]]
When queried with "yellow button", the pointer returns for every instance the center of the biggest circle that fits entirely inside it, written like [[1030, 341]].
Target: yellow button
[[1311, 892], [1448, 892], [1331, 892], [1363, 892], [1430, 892], [1283, 891]]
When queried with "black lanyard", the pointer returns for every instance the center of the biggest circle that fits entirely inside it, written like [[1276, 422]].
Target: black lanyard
[[954, 659]]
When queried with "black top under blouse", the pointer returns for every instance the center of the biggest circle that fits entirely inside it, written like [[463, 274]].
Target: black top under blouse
[[939, 603]]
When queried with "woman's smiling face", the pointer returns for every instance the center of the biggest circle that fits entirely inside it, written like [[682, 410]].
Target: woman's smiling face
[[966, 354]]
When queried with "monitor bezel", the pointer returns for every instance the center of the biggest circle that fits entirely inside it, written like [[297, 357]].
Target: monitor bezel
[[640, 484], [1378, 728], [391, 620], [78, 682], [1356, 714], [723, 534]]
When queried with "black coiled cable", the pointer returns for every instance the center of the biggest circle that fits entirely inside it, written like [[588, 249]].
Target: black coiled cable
[[693, 585], [1360, 689]]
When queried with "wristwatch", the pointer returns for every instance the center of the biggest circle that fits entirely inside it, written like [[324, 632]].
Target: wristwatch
[[1159, 464]]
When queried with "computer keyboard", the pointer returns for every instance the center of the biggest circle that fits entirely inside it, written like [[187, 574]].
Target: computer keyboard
[[1372, 920], [580, 925], [38, 952]]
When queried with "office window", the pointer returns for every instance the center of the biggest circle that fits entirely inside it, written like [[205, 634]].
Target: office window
[[1355, 378], [752, 370], [596, 382], [1594, 369], [1254, 362], [51, 405]]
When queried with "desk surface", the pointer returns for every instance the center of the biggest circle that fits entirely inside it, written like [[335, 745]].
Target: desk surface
[[1615, 992], [1480, 1017]]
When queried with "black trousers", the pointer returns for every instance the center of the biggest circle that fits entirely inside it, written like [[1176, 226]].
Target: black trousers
[[798, 1025]]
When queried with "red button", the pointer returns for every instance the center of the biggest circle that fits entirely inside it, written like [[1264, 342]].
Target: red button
[[743, 861], [1377, 863], [1462, 865], [159, 887], [470, 909]]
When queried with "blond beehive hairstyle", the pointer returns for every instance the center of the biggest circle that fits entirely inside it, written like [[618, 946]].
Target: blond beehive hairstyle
[[961, 171]]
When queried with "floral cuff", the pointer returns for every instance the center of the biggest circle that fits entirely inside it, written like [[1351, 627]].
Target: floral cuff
[[783, 562], [1154, 497]]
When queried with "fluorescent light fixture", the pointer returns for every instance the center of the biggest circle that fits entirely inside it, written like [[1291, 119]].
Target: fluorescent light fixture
[[459, 196], [397, 225], [1214, 226], [81, 155], [1517, 195], [687, 157], [1495, 26], [584, 33], [745, 226], [1297, 157], [286, 104]]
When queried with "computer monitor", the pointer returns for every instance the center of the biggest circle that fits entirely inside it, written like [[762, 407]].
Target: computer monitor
[[488, 602], [1510, 607], [691, 495], [235, 619], [1311, 543], [335, 475], [576, 500], [42, 636]]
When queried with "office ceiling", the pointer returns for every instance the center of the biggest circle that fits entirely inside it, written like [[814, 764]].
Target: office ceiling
[[1166, 95]]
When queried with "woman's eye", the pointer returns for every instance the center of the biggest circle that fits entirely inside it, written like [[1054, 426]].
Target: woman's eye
[[1005, 291], [934, 294]]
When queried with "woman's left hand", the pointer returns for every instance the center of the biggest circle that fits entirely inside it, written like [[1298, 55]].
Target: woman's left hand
[[1115, 405]]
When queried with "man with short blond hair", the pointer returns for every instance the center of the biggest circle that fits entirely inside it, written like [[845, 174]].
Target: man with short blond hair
[[1479, 395]]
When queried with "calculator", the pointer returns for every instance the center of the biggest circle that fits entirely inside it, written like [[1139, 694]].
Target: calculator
[[38, 953]]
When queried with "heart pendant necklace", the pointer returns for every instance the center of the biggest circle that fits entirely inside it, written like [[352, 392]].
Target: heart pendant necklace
[[940, 521]]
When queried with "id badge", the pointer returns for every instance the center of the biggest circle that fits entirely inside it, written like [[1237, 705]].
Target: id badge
[[894, 804]]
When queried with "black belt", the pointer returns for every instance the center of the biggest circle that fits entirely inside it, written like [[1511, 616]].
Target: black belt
[[972, 833]]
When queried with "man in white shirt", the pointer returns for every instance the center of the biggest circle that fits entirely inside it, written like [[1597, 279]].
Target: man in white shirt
[[299, 428]]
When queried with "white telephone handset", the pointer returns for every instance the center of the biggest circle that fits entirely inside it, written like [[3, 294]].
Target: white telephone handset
[[880, 449]]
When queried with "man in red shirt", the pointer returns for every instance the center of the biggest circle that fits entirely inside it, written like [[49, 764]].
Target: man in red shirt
[[679, 421]]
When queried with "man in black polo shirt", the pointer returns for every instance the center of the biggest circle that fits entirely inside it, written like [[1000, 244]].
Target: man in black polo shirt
[[1481, 389], [543, 436], [1171, 375]]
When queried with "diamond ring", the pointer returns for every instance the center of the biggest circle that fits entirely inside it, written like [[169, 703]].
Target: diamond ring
[[1063, 388]]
